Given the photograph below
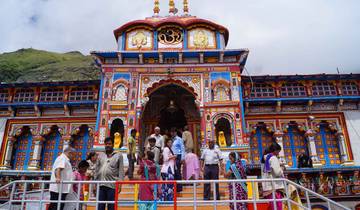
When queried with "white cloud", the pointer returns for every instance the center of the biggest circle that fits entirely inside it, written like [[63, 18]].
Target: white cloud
[[284, 36]]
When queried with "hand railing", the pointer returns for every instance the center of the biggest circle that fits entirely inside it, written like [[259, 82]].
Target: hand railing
[[20, 198]]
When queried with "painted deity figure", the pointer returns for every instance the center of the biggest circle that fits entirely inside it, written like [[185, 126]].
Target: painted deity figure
[[355, 183], [222, 139], [120, 94], [117, 140], [139, 39], [340, 184], [200, 39], [324, 184], [305, 182]]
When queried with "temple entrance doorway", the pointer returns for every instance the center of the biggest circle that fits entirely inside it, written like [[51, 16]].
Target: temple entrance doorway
[[117, 132], [223, 132], [171, 106]]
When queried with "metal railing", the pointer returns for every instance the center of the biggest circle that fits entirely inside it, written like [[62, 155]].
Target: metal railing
[[21, 198]]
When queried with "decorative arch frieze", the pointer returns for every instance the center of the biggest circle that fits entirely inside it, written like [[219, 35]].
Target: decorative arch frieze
[[301, 125], [270, 126], [149, 84], [18, 129], [227, 116], [47, 129]]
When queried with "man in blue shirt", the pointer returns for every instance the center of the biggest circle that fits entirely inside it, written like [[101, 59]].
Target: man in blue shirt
[[178, 148]]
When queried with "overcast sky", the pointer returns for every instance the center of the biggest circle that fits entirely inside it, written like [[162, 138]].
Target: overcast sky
[[283, 36]]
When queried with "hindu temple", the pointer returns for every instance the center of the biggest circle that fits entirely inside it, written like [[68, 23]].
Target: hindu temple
[[176, 70]]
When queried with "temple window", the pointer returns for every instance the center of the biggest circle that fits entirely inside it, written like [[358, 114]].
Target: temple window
[[52, 148], [120, 93], [22, 148], [4, 96], [24, 95], [294, 144], [293, 89], [52, 94], [323, 89], [82, 143], [81, 94], [259, 140], [349, 89], [327, 146], [262, 91]]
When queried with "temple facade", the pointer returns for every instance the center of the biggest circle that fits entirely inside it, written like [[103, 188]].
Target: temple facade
[[174, 71]]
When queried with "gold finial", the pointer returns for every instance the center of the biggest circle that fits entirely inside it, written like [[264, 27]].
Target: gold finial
[[186, 7], [172, 7], [156, 8]]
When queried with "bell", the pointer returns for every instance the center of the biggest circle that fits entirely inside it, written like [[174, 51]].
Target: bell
[[172, 107]]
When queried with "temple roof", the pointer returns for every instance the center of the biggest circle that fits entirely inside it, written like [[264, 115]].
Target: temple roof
[[183, 21]]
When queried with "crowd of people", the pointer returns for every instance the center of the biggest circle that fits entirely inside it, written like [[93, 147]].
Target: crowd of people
[[164, 157]]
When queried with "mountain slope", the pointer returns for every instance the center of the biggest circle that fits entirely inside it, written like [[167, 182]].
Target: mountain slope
[[31, 65]]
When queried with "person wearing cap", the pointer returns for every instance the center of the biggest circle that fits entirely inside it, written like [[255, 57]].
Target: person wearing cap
[[210, 160], [61, 171]]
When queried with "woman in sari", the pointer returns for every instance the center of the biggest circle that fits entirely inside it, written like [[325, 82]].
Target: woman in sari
[[237, 171], [149, 170], [168, 171]]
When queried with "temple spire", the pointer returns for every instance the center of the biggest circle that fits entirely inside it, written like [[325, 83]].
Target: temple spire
[[156, 8], [186, 7], [171, 7]]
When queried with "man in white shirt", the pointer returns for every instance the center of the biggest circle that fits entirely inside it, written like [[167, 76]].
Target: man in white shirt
[[61, 171], [159, 139], [210, 160]]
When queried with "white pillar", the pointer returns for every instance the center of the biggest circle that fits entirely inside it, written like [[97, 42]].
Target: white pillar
[[36, 158], [8, 154], [279, 139], [343, 149], [310, 136]]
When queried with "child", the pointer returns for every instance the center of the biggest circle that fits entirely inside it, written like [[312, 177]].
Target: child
[[79, 175], [148, 170], [152, 148]]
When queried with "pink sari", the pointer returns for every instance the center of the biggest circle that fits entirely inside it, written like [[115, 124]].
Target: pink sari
[[278, 195]]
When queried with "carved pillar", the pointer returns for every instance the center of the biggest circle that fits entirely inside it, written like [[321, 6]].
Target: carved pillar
[[278, 106], [66, 141], [234, 140], [36, 158], [338, 86], [279, 139], [202, 127], [343, 149], [308, 87], [310, 136], [8, 153]]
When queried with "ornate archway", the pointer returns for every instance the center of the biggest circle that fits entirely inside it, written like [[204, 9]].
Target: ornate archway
[[170, 103]]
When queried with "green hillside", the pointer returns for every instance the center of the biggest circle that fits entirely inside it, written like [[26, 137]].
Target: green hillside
[[31, 65]]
